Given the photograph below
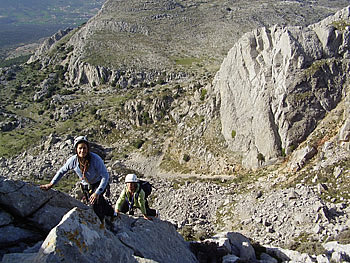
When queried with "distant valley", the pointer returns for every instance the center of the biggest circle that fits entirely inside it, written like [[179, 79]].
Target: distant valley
[[24, 22]]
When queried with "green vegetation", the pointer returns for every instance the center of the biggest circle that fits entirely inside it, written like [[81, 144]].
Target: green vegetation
[[220, 223], [260, 157], [306, 244], [189, 234], [138, 143], [186, 157], [316, 66], [283, 152], [233, 134], [343, 237], [195, 121], [20, 90], [12, 143], [186, 61], [66, 184], [169, 164], [341, 24], [14, 61], [203, 94], [302, 96]]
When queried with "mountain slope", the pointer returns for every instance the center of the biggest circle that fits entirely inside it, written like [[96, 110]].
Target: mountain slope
[[157, 105], [271, 131], [192, 36]]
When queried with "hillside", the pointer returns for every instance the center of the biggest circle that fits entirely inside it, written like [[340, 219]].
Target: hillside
[[251, 113], [171, 113], [181, 35]]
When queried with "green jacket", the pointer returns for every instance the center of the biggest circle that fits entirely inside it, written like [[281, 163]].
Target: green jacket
[[138, 203]]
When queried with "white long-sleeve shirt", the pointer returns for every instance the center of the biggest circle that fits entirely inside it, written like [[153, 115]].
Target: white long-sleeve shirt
[[96, 172]]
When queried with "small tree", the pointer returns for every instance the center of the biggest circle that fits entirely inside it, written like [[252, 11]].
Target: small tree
[[186, 157], [233, 134], [261, 157], [138, 143], [203, 94]]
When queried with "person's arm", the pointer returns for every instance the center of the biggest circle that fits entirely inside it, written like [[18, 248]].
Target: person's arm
[[120, 201], [46, 186], [102, 171], [142, 202], [63, 170]]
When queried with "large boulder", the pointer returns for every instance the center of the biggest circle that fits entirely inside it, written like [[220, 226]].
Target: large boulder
[[27, 214], [44, 209], [79, 237], [277, 83]]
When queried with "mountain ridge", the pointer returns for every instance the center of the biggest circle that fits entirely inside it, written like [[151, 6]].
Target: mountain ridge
[[168, 124], [163, 35]]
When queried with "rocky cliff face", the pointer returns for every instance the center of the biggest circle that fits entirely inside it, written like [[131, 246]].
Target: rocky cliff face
[[30, 215], [40, 226], [129, 39], [277, 83]]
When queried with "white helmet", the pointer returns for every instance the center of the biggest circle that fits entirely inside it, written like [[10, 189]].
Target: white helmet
[[80, 139], [131, 178]]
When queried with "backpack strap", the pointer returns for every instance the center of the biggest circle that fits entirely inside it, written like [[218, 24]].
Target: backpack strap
[[138, 192], [130, 203]]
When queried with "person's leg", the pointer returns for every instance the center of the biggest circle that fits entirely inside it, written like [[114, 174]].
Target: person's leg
[[150, 211], [125, 208], [101, 207], [106, 207], [98, 209]]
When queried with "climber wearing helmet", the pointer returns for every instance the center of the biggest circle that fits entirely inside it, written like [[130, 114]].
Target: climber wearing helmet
[[93, 174], [132, 197]]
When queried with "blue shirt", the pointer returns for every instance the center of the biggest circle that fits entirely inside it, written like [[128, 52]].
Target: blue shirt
[[96, 172]]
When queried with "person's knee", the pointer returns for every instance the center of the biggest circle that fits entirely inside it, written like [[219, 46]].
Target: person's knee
[[124, 208]]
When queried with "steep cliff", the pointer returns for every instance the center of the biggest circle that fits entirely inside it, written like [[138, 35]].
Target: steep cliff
[[277, 83], [127, 39]]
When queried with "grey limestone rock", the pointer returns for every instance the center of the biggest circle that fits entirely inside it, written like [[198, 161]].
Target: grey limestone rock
[[48, 43], [133, 239], [26, 200], [339, 252], [276, 83], [19, 257]]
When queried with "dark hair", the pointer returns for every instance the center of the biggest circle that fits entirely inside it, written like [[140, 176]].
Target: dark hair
[[88, 146]]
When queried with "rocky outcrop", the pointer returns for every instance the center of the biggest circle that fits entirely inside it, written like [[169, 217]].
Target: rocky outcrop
[[27, 214], [130, 35], [41, 226], [48, 44], [31, 214], [133, 240], [233, 247], [277, 83]]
